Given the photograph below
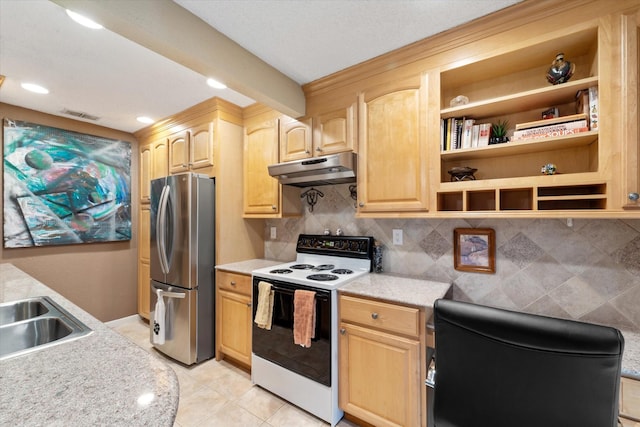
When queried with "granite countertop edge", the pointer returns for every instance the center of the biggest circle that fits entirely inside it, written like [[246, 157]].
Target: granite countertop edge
[[423, 293], [399, 289], [99, 379]]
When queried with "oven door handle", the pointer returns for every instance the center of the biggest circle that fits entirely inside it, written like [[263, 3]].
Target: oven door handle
[[291, 292]]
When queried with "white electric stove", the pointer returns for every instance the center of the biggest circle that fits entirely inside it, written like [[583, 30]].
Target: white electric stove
[[307, 376]]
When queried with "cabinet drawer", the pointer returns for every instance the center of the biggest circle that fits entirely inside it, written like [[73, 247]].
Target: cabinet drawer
[[234, 282], [630, 398], [389, 317]]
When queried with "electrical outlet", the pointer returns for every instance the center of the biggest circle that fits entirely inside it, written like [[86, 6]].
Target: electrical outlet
[[273, 233], [397, 236]]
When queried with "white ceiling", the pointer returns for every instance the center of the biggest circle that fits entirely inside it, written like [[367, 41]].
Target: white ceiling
[[101, 73]]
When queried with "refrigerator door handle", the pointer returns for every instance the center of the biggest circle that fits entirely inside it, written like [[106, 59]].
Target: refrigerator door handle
[[173, 294], [161, 229]]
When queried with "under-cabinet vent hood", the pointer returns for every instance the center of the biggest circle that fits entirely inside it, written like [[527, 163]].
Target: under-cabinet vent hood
[[333, 169]]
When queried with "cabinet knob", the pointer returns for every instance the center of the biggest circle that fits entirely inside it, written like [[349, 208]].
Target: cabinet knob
[[374, 316], [343, 331], [274, 207], [361, 204], [233, 283], [184, 165], [248, 304], [634, 197], [318, 149], [306, 151]]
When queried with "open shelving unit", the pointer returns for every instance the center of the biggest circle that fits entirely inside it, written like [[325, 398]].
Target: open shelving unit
[[512, 86]]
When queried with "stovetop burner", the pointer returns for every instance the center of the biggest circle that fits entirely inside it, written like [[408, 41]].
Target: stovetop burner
[[302, 266], [281, 271], [342, 271], [322, 277], [324, 267]]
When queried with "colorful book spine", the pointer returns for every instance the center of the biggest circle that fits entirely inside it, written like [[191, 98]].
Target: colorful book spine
[[475, 133], [467, 133], [552, 131], [483, 134], [593, 107]]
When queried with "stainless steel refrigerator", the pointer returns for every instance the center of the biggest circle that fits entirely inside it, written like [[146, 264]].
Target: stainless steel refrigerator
[[182, 318]]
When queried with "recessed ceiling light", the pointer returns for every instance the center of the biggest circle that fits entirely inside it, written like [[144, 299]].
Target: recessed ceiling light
[[83, 21], [32, 87], [216, 84], [146, 120]]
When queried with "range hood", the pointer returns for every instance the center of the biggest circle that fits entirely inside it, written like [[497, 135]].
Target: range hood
[[333, 169]]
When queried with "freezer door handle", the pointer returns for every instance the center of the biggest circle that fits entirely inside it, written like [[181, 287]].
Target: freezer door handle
[[161, 229], [173, 294]]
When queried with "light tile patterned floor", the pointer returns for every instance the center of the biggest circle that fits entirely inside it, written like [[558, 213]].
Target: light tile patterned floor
[[221, 394]]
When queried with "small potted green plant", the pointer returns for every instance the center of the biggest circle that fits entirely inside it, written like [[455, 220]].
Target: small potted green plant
[[499, 132]]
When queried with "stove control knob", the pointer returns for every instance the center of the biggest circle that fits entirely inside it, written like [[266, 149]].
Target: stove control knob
[[374, 316], [343, 331]]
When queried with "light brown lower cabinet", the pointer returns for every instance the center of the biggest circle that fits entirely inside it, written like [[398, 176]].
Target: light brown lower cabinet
[[381, 362], [233, 317], [630, 402]]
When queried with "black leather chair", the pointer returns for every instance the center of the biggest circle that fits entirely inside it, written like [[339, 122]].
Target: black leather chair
[[499, 368]]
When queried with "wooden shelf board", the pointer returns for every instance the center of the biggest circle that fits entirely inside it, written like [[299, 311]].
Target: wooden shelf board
[[521, 147], [523, 182], [573, 197], [530, 56], [521, 101]]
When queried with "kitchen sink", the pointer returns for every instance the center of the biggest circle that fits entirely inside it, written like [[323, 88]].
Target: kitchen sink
[[20, 310], [35, 324]]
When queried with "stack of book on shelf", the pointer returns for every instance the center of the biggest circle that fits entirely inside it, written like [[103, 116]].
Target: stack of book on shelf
[[462, 132], [552, 128]]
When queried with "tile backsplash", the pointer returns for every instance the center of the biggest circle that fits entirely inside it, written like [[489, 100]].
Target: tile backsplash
[[580, 269]]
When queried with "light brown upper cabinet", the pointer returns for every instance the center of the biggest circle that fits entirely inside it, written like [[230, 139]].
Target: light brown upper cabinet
[[264, 196], [295, 139], [332, 130], [192, 149], [336, 130], [392, 162], [153, 164]]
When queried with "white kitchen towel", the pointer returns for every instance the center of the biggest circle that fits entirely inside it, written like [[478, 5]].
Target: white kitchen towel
[[264, 310], [158, 319]]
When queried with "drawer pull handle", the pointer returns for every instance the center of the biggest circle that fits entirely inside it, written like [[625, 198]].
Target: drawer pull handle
[[343, 331], [374, 316], [233, 283]]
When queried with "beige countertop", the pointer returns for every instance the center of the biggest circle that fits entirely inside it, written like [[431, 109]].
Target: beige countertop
[[100, 379], [403, 290], [246, 267]]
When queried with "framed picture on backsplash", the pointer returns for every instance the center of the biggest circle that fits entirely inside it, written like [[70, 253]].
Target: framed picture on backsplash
[[474, 249]]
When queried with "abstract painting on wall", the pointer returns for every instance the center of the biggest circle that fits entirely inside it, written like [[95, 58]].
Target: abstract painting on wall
[[63, 187]]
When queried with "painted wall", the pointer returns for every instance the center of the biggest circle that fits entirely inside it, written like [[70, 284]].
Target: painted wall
[[587, 271], [101, 278]]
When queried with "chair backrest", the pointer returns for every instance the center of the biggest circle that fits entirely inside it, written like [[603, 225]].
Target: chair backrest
[[499, 368]]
